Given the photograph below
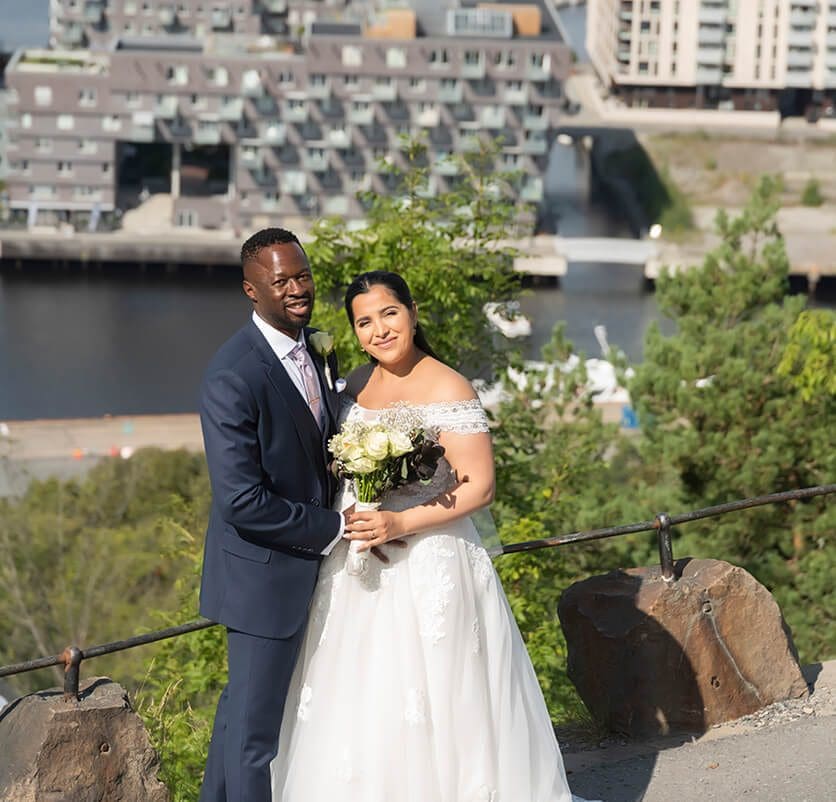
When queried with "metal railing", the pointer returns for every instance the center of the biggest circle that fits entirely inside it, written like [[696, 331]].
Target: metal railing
[[72, 656]]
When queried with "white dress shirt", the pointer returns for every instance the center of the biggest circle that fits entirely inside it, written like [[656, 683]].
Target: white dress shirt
[[282, 345]]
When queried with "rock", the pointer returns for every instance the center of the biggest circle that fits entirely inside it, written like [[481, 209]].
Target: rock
[[650, 657], [94, 750]]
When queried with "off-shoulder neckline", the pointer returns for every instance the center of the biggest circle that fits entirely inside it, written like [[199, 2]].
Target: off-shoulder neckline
[[396, 404]]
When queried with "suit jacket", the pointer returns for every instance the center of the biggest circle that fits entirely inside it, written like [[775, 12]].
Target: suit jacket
[[271, 490]]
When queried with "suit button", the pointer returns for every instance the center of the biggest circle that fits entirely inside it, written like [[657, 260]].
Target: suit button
[[315, 502]]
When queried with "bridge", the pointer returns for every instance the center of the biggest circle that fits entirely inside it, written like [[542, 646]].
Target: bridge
[[550, 256]]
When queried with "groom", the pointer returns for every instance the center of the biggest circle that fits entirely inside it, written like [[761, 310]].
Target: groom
[[267, 411]]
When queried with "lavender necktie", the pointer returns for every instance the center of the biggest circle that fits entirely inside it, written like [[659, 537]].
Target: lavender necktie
[[302, 358]]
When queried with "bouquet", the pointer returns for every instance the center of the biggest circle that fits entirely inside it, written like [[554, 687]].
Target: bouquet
[[382, 455]]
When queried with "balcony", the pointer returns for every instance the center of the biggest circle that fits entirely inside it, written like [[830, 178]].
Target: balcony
[[446, 165], [385, 91], [625, 16], [232, 109], [221, 18], [72, 34], [830, 41], [473, 68], [142, 127], [800, 58], [315, 160], [516, 96], [335, 206], [799, 78], [532, 190], [251, 84], [360, 112], [830, 61], [539, 69], [799, 37], [492, 117], [711, 35], [94, 11], [712, 15], [803, 18], [339, 138], [251, 157], [274, 6], [535, 144], [469, 142], [166, 107], [293, 182], [710, 56], [319, 89], [450, 92], [428, 117], [273, 133], [708, 75], [208, 132], [295, 111], [532, 121]]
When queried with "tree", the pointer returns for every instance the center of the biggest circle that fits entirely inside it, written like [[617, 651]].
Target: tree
[[83, 562], [454, 250], [718, 410]]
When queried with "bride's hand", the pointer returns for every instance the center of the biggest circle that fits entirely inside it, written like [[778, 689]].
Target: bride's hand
[[374, 528]]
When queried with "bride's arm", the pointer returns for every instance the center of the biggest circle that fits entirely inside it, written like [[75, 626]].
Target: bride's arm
[[471, 458]]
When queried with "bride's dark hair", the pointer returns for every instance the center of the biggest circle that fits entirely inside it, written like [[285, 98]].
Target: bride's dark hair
[[399, 288]]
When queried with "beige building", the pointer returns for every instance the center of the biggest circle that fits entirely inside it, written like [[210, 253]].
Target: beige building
[[248, 110], [732, 54]]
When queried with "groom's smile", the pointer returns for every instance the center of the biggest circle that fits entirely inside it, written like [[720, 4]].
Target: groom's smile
[[279, 282]]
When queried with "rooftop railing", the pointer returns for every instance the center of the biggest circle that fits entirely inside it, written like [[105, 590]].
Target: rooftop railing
[[72, 657]]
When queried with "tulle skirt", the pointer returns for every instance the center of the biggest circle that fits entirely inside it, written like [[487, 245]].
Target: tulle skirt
[[413, 685]]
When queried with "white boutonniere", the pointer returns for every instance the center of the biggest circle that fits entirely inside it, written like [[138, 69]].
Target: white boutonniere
[[323, 343]]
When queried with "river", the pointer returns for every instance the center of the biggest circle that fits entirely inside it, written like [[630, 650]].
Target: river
[[75, 344]]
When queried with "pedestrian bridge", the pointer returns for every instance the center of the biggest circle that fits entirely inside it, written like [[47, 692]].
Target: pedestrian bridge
[[552, 255]]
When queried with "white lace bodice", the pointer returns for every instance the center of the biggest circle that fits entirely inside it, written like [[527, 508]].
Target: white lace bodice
[[458, 417]]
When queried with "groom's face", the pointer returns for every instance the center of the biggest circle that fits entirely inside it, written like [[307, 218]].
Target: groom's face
[[280, 285]]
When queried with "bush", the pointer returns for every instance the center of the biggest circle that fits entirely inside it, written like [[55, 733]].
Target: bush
[[811, 194]]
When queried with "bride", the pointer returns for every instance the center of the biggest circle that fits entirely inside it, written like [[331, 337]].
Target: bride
[[413, 683]]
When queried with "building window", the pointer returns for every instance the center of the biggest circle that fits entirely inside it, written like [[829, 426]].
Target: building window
[[417, 84], [318, 80], [65, 169], [439, 57], [396, 58], [284, 78], [26, 120], [87, 146], [352, 56], [504, 59], [177, 75], [43, 145], [219, 76], [43, 95], [24, 167], [65, 122], [472, 58], [351, 82], [105, 167], [111, 122], [87, 97]]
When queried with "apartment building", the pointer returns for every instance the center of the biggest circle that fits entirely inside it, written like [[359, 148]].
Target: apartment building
[[272, 108], [732, 54]]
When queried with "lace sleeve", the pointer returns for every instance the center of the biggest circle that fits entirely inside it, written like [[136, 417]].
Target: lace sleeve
[[459, 417]]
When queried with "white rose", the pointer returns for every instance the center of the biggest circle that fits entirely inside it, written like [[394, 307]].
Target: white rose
[[361, 465], [322, 342], [399, 443], [376, 445]]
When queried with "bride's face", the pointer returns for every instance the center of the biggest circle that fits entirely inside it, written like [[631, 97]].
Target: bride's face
[[383, 325]]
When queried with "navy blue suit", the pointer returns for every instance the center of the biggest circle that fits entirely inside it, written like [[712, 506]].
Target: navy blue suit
[[269, 523]]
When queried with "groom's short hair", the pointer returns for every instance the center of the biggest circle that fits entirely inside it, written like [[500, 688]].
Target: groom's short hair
[[264, 239]]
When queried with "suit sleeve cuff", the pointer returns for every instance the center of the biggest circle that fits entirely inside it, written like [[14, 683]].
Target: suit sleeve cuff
[[330, 547]]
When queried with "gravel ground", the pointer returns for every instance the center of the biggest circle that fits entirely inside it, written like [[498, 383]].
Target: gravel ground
[[783, 753]]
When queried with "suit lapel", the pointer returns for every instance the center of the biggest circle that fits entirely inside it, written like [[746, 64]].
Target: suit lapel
[[297, 408]]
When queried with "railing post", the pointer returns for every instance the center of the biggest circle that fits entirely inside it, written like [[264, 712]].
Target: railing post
[[72, 657], [663, 529]]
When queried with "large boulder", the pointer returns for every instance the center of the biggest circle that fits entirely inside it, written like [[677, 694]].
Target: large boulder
[[650, 657], [93, 750]]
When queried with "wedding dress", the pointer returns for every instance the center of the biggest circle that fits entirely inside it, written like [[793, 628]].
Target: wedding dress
[[413, 683]]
